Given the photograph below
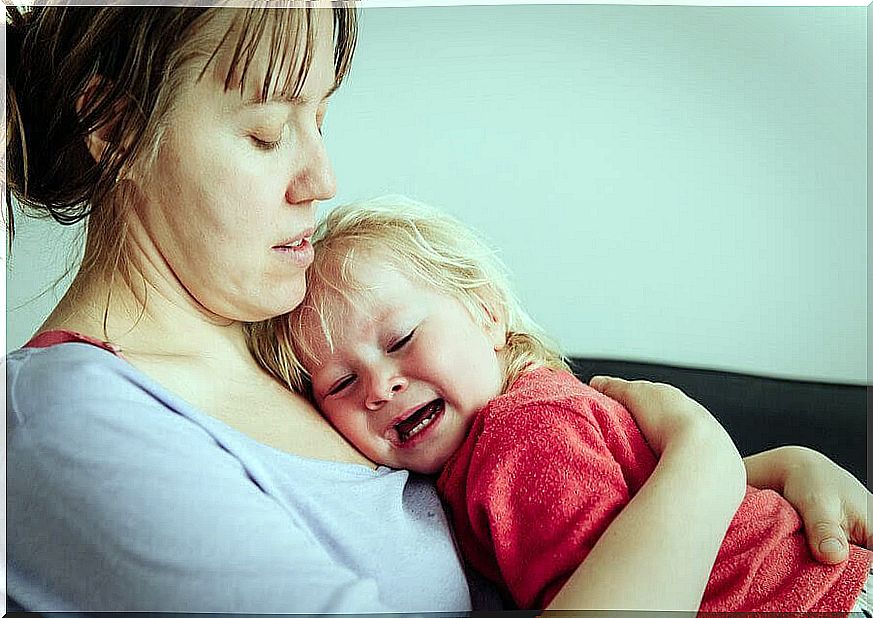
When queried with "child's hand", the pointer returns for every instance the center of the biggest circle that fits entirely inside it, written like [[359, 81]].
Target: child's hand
[[832, 503]]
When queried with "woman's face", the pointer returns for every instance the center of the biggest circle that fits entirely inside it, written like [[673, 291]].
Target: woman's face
[[230, 201]]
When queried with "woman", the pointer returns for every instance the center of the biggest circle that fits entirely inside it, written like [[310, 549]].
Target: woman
[[152, 464]]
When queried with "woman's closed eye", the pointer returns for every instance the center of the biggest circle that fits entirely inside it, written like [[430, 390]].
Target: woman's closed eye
[[266, 144], [268, 135], [401, 343]]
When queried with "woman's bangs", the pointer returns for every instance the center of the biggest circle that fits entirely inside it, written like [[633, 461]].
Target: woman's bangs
[[289, 36], [345, 37]]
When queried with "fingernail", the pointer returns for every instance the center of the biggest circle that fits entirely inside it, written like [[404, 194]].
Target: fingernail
[[830, 546]]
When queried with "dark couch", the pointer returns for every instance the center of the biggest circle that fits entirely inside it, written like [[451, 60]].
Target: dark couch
[[762, 413]]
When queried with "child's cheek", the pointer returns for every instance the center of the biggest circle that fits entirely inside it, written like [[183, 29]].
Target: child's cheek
[[440, 362]]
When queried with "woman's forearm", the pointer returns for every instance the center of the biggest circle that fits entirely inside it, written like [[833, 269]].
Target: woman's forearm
[[833, 504], [658, 553]]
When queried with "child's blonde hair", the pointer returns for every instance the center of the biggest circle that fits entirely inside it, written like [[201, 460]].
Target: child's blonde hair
[[421, 242]]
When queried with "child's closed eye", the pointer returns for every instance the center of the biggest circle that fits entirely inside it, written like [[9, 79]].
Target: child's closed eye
[[400, 343], [340, 385]]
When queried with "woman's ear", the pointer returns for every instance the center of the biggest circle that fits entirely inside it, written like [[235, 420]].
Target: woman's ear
[[97, 140]]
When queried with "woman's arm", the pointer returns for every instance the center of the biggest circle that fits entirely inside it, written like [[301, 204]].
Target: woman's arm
[[658, 552], [832, 502]]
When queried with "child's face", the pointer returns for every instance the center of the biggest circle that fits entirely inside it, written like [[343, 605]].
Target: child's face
[[409, 370]]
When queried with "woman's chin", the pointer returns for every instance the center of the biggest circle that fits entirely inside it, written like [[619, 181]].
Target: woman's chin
[[264, 307]]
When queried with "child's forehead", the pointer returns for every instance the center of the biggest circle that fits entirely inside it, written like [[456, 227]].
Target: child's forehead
[[341, 322], [366, 300], [368, 260], [364, 275], [355, 280]]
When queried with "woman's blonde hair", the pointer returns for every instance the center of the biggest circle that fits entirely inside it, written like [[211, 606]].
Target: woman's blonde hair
[[424, 243]]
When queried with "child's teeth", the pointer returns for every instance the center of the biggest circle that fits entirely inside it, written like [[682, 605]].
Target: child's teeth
[[422, 424]]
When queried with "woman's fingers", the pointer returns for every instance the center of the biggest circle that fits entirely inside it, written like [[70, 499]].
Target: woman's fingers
[[622, 391], [606, 385], [832, 503], [661, 411], [826, 538]]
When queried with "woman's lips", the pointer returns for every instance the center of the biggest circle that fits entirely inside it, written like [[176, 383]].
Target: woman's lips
[[295, 240], [300, 252]]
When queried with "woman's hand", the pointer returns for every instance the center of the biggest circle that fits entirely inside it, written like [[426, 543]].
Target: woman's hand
[[832, 503], [664, 412]]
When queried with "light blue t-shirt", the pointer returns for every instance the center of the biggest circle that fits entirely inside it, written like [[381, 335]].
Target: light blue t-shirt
[[122, 497]]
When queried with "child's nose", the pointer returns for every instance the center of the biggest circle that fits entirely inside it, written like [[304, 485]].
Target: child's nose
[[382, 391]]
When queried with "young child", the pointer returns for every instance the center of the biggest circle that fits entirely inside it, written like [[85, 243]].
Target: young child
[[412, 344]]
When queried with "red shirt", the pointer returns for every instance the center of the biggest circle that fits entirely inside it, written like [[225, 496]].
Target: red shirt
[[548, 465]]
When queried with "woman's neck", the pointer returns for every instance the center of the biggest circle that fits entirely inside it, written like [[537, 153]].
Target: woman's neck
[[151, 321]]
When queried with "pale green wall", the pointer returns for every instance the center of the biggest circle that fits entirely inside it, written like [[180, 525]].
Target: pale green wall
[[679, 184]]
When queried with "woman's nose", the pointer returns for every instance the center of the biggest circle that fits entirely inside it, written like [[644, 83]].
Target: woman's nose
[[383, 390], [314, 179]]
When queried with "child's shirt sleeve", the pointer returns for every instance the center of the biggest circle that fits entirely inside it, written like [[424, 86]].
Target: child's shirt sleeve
[[542, 485]]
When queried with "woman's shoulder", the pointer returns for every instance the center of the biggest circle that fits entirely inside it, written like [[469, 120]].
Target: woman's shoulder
[[72, 402], [76, 396], [36, 374], [68, 351], [66, 376]]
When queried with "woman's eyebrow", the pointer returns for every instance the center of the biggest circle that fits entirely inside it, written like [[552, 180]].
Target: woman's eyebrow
[[279, 97]]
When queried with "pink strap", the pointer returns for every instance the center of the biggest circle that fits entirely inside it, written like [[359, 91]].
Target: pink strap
[[54, 337]]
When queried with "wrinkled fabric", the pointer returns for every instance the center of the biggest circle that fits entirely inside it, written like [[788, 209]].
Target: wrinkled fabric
[[122, 497], [548, 465]]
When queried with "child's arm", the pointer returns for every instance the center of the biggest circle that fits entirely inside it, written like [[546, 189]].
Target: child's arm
[[832, 502], [658, 552]]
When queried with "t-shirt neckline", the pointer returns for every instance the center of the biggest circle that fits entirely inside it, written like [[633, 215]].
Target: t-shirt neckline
[[49, 338]]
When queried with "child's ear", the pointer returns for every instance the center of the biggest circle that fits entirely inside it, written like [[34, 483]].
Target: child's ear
[[495, 326]]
